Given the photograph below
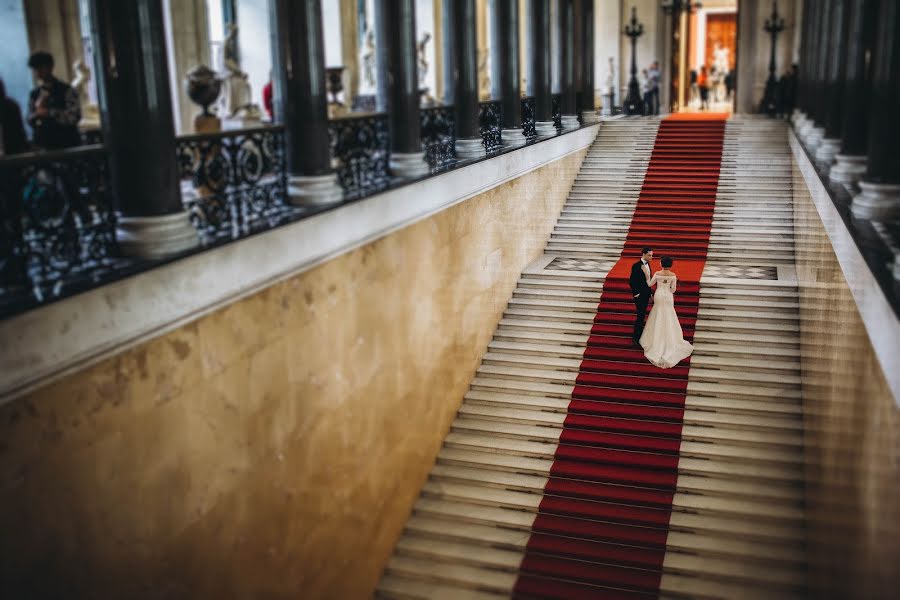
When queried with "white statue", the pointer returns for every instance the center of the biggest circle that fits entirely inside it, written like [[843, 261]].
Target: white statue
[[611, 77], [484, 78], [90, 113], [368, 62], [238, 97], [422, 58], [720, 59]]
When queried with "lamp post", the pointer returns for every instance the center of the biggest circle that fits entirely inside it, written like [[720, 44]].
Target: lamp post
[[773, 26], [634, 104]]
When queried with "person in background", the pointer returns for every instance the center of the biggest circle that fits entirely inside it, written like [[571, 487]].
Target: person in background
[[785, 92], [53, 108], [655, 77], [12, 131], [729, 85], [695, 91], [703, 84], [646, 93], [267, 97]]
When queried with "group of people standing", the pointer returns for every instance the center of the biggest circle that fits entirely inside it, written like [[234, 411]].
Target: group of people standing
[[53, 112], [650, 78], [720, 82]]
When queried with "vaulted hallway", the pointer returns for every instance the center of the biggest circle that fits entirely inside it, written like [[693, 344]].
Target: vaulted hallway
[[575, 468]]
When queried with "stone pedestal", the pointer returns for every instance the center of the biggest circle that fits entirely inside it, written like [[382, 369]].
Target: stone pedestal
[[847, 171], [590, 116], [607, 109], [314, 190], [570, 122], [469, 148], [207, 124], [826, 152], [156, 237], [545, 128], [877, 202], [513, 137], [409, 164]]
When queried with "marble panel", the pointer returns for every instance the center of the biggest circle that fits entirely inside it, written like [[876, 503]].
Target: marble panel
[[851, 422], [272, 448]]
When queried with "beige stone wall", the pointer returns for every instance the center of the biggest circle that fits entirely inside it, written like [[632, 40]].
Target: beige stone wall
[[272, 449], [852, 427]]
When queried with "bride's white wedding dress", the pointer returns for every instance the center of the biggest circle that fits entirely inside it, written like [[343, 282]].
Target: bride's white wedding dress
[[663, 341]]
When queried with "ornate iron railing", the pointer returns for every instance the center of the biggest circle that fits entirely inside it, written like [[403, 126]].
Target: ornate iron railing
[[360, 146], [556, 108], [233, 182], [438, 136], [58, 224], [490, 116], [528, 120]]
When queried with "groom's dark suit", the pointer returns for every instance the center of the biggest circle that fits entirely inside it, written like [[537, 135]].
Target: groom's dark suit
[[641, 293]]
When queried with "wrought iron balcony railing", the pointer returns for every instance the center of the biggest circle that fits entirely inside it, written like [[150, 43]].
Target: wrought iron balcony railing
[[58, 224], [233, 182]]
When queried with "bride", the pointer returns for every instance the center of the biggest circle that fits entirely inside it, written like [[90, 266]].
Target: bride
[[662, 340]]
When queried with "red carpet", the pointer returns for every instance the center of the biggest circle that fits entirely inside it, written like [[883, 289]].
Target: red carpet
[[603, 520]]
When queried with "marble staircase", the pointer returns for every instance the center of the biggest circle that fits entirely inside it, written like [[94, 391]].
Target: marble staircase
[[736, 528]]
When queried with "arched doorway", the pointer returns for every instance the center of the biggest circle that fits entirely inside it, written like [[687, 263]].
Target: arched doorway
[[704, 38]]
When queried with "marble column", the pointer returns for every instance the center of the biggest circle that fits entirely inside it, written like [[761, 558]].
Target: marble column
[[565, 55], [822, 55], [505, 80], [812, 53], [850, 163], [398, 83], [539, 76], [588, 107], [138, 127], [834, 86], [461, 75], [879, 199], [300, 100], [802, 105]]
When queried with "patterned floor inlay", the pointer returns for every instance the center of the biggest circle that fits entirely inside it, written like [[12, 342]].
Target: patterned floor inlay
[[740, 272], [580, 264]]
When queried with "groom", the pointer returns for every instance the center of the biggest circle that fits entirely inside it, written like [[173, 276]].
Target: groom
[[640, 273]]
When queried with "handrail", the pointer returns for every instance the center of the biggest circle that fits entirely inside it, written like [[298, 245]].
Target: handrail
[[36, 156]]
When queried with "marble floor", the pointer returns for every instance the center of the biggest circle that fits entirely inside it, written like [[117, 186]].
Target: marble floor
[[736, 528]]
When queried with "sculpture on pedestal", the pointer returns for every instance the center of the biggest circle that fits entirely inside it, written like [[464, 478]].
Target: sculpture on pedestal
[[203, 87], [90, 112], [609, 90], [422, 62], [484, 76], [237, 100]]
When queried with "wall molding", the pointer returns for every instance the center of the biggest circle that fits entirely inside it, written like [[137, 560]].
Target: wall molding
[[52, 341], [876, 312]]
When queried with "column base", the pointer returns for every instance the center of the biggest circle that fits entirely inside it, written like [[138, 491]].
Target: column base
[[513, 137], [570, 122], [814, 139], [877, 202], [409, 164], [803, 131], [545, 128], [314, 190], [590, 116], [469, 148], [826, 152], [796, 115], [847, 171], [157, 236]]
